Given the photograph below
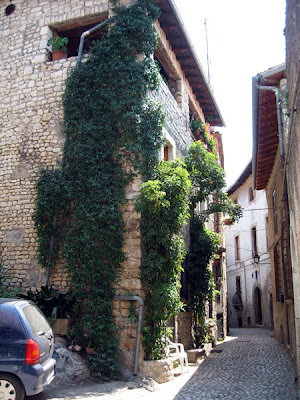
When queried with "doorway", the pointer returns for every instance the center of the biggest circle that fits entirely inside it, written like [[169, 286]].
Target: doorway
[[257, 306]]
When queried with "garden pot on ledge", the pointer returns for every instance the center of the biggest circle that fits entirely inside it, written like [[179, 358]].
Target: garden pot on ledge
[[59, 55]]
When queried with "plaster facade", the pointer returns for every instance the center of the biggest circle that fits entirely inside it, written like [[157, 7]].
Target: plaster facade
[[249, 284]]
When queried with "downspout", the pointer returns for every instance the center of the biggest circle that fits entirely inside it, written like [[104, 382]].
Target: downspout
[[139, 327], [88, 33]]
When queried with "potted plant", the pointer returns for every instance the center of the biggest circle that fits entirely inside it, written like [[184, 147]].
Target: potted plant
[[59, 47], [88, 343], [57, 307]]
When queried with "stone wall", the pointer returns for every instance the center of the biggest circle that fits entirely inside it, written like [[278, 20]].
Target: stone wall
[[31, 137], [184, 323], [31, 124], [283, 303], [292, 32]]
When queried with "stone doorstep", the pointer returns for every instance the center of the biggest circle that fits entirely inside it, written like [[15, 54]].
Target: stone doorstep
[[198, 354], [161, 371]]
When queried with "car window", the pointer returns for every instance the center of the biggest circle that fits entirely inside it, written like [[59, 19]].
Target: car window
[[36, 319], [11, 328]]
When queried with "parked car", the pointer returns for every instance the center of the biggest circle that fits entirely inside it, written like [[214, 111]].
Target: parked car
[[26, 349]]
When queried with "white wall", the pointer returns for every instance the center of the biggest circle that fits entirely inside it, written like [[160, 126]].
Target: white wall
[[251, 276]]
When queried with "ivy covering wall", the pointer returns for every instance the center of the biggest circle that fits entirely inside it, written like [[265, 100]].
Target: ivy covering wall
[[113, 132]]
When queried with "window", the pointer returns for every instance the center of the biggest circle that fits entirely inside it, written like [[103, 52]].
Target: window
[[275, 216], [36, 319], [237, 248], [267, 232], [251, 194], [11, 328], [238, 289], [254, 241], [73, 31], [168, 151], [173, 82], [278, 273]]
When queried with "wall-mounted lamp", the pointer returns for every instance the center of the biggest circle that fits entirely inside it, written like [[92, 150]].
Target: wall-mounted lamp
[[256, 258]]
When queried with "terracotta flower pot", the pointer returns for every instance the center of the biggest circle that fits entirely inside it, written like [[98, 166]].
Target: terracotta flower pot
[[89, 350], [59, 55]]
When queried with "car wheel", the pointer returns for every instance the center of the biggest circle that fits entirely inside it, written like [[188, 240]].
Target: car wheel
[[10, 388]]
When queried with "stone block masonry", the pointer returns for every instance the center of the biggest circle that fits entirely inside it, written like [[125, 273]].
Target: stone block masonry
[[31, 138], [31, 135]]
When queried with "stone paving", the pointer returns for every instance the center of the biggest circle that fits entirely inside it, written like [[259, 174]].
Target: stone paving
[[250, 364]]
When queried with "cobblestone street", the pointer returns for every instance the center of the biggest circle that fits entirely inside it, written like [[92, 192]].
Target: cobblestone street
[[249, 365]]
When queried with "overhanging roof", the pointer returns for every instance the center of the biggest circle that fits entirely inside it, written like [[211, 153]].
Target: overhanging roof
[[174, 29], [265, 124]]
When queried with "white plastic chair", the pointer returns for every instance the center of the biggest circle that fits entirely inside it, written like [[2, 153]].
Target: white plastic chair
[[176, 351]]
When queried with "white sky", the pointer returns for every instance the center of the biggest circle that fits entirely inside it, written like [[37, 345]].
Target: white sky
[[244, 38]]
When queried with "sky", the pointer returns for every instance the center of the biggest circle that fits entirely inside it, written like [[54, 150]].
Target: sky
[[244, 39]]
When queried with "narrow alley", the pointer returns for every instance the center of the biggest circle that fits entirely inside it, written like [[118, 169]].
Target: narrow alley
[[249, 365]]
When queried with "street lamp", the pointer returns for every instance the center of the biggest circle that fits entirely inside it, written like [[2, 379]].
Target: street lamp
[[256, 258]]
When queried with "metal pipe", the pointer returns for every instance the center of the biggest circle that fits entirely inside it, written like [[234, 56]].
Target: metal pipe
[[88, 33], [139, 327]]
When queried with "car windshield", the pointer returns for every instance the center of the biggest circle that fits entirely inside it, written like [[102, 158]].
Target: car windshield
[[36, 319]]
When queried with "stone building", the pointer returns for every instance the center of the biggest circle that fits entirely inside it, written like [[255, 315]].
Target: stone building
[[249, 283], [292, 151], [269, 135], [32, 135]]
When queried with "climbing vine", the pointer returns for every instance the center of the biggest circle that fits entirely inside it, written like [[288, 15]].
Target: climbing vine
[[164, 208], [49, 203], [208, 182], [202, 132], [204, 244], [113, 132]]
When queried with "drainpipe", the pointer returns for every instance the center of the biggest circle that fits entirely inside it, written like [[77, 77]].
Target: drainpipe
[[139, 327], [88, 33]]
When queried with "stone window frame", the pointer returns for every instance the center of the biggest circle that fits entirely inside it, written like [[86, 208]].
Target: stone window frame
[[76, 27], [169, 147]]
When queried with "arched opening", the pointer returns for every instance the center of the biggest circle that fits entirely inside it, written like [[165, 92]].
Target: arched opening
[[257, 306]]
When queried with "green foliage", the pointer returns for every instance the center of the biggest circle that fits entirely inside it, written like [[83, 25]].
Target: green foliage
[[164, 208], [208, 182], [48, 204], [5, 290], [202, 131], [204, 244], [206, 173], [58, 43], [53, 303], [223, 204], [113, 132]]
